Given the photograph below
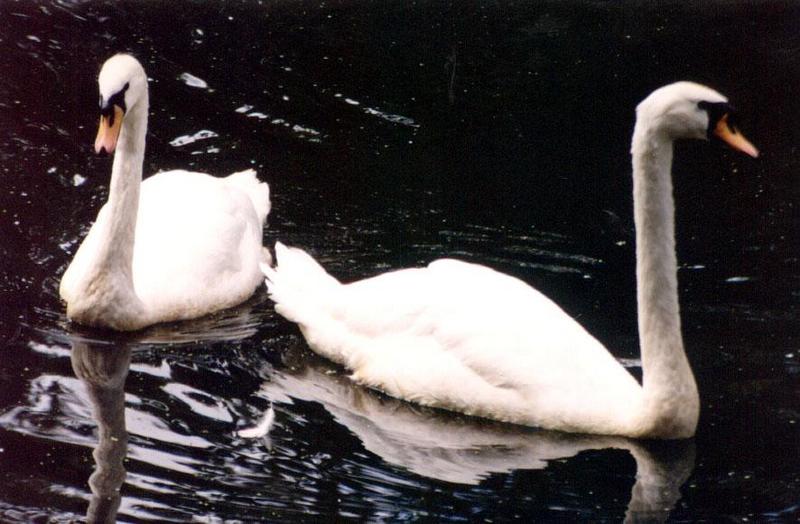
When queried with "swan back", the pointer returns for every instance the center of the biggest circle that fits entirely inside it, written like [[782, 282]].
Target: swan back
[[458, 336]]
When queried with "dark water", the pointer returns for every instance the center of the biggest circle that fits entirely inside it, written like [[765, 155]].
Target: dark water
[[392, 133]]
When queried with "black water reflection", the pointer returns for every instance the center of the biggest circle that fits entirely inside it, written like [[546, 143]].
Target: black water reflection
[[464, 450], [393, 133], [429, 443], [103, 371]]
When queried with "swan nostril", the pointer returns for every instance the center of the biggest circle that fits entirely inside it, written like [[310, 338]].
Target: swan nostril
[[109, 114]]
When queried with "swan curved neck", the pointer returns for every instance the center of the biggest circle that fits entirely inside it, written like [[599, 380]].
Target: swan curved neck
[[109, 297], [123, 194], [667, 381]]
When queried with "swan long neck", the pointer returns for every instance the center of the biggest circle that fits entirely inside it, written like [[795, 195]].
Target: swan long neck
[[667, 377], [123, 195]]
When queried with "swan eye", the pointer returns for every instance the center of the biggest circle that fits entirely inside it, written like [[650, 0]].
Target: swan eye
[[717, 110], [117, 99]]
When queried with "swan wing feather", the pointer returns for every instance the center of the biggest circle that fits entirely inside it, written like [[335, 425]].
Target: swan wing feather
[[460, 336], [198, 243]]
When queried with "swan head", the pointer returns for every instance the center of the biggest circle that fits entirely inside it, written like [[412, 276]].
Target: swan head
[[690, 110], [123, 88]]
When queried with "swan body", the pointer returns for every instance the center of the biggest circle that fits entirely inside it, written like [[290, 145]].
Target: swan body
[[178, 245], [467, 338]]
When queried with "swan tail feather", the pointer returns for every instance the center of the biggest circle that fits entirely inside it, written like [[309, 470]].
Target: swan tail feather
[[257, 191], [296, 281]]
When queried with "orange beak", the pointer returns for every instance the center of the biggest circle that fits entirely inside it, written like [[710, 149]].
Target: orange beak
[[731, 136], [108, 132]]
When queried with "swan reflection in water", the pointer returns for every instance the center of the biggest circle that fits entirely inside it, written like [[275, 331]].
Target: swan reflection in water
[[430, 443], [103, 369], [463, 450]]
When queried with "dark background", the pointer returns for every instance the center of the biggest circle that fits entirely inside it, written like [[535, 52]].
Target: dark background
[[393, 133]]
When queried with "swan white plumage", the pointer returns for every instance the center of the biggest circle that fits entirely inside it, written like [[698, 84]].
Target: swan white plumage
[[464, 337], [178, 245]]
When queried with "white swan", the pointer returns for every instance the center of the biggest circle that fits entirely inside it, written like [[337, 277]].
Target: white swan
[[176, 246], [463, 337]]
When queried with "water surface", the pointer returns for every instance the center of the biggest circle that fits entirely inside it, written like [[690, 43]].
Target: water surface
[[392, 134]]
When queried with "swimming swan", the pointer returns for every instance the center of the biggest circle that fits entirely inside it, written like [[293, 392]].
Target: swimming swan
[[466, 338], [178, 245]]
